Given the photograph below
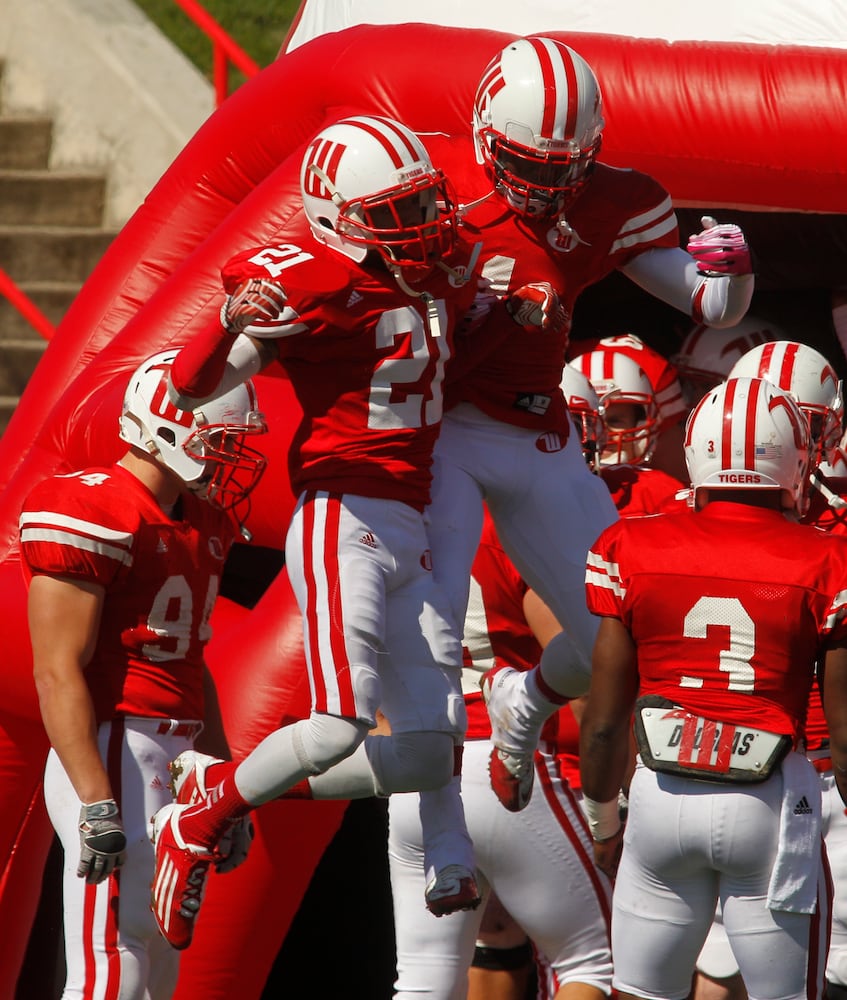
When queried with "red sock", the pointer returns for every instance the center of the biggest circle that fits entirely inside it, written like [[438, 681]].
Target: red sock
[[199, 367], [302, 790], [205, 823]]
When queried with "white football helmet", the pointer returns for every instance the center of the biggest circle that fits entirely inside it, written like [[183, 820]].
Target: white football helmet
[[619, 380], [586, 413], [811, 380], [538, 123], [707, 354], [205, 448], [748, 433], [368, 184]]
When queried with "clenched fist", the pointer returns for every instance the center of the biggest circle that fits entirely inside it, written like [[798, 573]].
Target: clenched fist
[[254, 300], [537, 304], [720, 249]]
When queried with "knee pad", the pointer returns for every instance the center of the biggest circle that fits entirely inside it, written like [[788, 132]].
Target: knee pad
[[411, 762], [323, 740]]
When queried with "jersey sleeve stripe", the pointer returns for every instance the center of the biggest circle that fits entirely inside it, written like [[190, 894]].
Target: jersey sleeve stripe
[[604, 574], [52, 519], [30, 536], [646, 227]]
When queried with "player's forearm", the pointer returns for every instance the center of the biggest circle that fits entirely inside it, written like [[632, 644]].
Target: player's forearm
[[671, 274], [68, 716], [212, 364]]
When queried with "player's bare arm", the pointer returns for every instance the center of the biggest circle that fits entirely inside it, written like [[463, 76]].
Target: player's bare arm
[[64, 620], [834, 695]]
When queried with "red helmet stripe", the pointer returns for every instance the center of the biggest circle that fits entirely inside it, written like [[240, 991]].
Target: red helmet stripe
[[750, 426], [726, 437], [548, 79], [787, 372], [384, 140]]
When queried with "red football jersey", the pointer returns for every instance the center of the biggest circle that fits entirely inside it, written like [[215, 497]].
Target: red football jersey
[[161, 578], [728, 606], [638, 489], [366, 362], [618, 215], [497, 634]]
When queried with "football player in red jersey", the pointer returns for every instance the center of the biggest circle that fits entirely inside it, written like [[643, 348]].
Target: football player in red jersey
[[810, 378], [539, 863], [124, 564], [711, 623], [358, 301], [551, 216]]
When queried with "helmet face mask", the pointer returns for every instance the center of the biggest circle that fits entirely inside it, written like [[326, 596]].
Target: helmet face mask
[[748, 434], [538, 124], [586, 413], [368, 185], [206, 448], [627, 403]]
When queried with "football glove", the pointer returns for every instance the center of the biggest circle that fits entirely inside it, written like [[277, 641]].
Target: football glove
[[253, 300], [537, 304], [720, 249], [102, 841]]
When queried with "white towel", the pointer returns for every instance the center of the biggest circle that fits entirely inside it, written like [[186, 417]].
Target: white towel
[[794, 880]]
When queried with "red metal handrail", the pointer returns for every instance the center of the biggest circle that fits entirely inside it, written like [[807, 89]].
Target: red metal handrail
[[224, 49], [25, 306]]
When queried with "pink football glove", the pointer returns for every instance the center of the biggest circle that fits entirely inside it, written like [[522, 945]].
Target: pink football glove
[[254, 300], [537, 304], [720, 249]]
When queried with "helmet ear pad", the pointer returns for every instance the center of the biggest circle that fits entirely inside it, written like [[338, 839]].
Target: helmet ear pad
[[205, 447]]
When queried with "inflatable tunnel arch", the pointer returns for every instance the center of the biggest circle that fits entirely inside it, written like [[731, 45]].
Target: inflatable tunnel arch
[[724, 125]]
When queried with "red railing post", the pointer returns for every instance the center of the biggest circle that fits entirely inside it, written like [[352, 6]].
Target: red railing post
[[25, 306]]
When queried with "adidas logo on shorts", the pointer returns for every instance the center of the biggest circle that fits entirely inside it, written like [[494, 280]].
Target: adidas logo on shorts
[[369, 540], [802, 808]]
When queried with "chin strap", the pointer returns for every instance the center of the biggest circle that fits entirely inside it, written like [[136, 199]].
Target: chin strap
[[433, 320]]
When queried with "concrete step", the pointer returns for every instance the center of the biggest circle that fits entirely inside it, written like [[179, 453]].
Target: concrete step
[[51, 197], [7, 408], [51, 253], [25, 142], [18, 360], [53, 298]]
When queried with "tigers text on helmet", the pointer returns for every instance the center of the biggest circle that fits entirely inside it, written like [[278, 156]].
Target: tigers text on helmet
[[748, 434], [537, 123], [707, 354], [628, 405], [586, 413], [205, 447], [811, 380], [368, 184]]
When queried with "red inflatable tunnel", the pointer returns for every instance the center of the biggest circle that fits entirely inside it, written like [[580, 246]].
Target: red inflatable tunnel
[[720, 124]]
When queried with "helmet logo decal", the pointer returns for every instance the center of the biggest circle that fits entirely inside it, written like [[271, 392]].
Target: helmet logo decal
[[161, 404], [323, 154]]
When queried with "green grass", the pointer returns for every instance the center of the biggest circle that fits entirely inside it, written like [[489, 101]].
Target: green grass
[[258, 26]]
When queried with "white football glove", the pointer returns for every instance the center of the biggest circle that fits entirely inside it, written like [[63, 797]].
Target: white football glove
[[537, 304], [102, 841], [234, 845], [720, 249], [254, 300]]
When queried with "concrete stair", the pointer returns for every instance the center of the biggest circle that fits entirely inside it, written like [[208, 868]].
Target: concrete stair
[[51, 238]]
